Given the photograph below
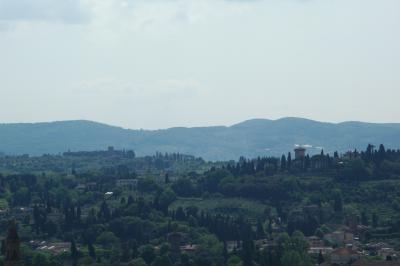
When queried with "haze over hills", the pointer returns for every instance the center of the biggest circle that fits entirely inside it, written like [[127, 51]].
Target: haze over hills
[[251, 138]]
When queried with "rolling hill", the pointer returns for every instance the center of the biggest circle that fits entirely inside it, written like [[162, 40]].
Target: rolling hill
[[250, 138]]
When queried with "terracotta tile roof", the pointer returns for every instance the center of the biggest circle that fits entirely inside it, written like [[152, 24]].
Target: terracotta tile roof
[[344, 251], [375, 263]]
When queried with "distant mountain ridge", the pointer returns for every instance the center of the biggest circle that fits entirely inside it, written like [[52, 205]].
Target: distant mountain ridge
[[256, 137]]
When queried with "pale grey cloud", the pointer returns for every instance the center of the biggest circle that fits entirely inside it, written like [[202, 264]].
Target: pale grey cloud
[[132, 13], [65, 11], [162, 63]]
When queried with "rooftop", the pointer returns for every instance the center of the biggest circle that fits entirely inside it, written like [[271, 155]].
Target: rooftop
[[344, 251], [362, 262]]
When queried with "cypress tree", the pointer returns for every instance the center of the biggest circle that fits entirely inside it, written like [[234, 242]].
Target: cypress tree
[[369, 152], [167, 178], [283, 163], [3, 247], [260, 230], [307, 162], [130, 200], [381, 153], [338, 204], [134, 246], [248, 252], [336, 155], [374, 220], [125, 252], [320, 258], [92, 251], [225, 252], [78, 213], [364, 218], [74, 253]]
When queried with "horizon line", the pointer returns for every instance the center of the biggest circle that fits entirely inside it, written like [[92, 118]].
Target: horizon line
[[206, 126]]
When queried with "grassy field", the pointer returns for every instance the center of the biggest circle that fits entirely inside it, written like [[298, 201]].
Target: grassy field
[[231, 206]]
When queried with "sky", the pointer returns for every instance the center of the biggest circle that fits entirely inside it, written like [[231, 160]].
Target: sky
[[164, 63]]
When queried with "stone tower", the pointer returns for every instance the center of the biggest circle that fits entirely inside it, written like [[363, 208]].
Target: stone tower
[[300, 153], [13, 255]]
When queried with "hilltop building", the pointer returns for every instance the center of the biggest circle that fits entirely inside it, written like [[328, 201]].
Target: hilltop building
[[300, 153], [127, 183], [344, 256]]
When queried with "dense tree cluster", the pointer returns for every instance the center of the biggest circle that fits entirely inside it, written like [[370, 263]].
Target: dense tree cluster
[[133, 225]]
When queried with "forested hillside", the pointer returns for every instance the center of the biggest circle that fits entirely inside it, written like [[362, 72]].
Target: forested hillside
[[113, 208], [252, 138]]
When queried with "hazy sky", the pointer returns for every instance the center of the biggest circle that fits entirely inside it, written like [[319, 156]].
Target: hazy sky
[[163, 63]]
